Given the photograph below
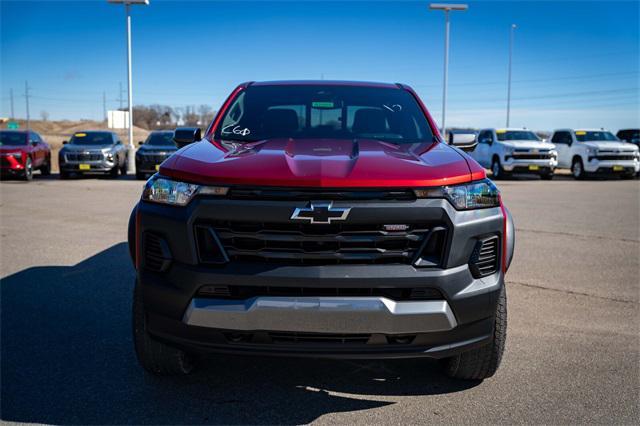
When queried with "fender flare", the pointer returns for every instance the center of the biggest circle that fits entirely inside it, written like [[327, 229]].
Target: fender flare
[[510, 237]]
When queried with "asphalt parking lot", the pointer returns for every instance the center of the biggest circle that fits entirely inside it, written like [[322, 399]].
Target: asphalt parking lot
[[573, 347]]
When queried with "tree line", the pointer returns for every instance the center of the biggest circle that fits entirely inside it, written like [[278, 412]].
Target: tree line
[[156, 117]]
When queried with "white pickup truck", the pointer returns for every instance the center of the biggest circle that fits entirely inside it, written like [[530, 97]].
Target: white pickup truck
[[515, 150], [591, 151]]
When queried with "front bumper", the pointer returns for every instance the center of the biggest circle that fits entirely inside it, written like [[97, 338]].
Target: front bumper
[[530, 166], [364, 327], [612, 166], [87, 166]]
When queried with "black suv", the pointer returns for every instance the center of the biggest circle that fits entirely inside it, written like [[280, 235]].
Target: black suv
[[152, 152]]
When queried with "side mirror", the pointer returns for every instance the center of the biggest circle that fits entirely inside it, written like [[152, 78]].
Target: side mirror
[[140, 143], [34, 143], [65, 142], [464, 141], [184, 136]]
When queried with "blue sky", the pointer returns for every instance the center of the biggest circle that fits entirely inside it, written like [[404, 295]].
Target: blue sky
[[575, 63]]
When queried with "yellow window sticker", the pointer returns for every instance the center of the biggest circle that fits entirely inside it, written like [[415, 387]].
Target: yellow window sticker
[[501, 131], [581, 133], [80, 135]]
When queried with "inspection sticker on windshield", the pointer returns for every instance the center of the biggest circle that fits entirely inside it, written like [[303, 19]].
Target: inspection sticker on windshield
[[80, 135], [501, 131], [322, 104], [581, 133]]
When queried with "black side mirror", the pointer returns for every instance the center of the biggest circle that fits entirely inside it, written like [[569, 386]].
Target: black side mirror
[[464, 141], [65, 142], [183, 136], [140, 143], [34, 143]]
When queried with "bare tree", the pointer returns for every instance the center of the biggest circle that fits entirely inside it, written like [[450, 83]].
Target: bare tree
[[44, 115]]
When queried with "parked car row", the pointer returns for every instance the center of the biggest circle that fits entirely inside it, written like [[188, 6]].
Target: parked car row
[[584, 151], [88, 152]]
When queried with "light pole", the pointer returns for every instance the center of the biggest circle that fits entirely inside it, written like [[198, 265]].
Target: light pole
[[513, 27], [446, 8], [132, 149]]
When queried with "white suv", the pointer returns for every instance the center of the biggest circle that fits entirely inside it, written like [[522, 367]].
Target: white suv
[[515, 150], [588, 151]]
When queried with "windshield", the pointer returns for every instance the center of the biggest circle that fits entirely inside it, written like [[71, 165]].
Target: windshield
[[516, 135], [13, 138], [318, 112], [93, 138], [160, 138], [600, 136]]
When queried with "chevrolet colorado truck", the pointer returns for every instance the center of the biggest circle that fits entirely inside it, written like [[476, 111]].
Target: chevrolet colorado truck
[[320, 219], [508, 151]]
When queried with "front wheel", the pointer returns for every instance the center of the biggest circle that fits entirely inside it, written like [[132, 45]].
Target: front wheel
[[154, 356], [497, 170], [28, 170], [577, 169], [483, 362]]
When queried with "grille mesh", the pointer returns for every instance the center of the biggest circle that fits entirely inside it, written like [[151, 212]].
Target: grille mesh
[[484, 260]]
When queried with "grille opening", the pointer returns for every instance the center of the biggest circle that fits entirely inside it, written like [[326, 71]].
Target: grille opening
[[432, 250], [246, 292], [306, 244], [400, 339], [318, 338], [485, 257], [208, 246], [157, 256]]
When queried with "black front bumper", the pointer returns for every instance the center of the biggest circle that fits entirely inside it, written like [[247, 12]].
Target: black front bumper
[[168, 294]]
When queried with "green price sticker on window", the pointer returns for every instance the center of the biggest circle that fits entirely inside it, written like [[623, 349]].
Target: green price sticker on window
[[326, 105]]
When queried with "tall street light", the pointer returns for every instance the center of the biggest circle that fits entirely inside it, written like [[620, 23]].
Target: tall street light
[[513, 27], [132, 150], [446, 8]]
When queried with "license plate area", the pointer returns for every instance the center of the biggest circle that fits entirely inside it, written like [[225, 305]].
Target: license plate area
[[84, 167], [534, 167], [618, 168]]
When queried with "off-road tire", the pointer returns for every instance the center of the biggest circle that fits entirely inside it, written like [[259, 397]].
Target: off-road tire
[[154, 356], [482, 363]]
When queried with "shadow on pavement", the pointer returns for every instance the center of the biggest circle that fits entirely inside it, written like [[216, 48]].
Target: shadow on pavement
[[67, 359]]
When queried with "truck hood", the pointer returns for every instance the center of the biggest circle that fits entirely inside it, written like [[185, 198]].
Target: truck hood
[[529, 144], [329, 163], [611, 146]]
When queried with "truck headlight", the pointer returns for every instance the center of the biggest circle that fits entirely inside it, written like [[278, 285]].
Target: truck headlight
[[475, 195], [166, 191], [592, 152]]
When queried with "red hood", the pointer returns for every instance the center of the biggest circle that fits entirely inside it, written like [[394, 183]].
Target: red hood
[[328, 163]]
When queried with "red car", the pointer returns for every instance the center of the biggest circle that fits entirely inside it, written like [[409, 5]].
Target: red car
[[321, 219], [22, 152]]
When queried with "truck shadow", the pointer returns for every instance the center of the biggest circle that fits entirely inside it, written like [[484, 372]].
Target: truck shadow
[[67, 359]]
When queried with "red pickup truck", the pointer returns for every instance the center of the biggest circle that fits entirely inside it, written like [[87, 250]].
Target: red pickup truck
[[321, 219]]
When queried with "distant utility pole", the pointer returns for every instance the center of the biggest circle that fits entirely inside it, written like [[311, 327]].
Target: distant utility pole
[[104, 105], [513, 27], [26, 97], [446, 8], [120, 96], [11, 97]]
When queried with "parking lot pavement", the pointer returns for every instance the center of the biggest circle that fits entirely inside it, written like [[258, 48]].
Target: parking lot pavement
[[572, 350]]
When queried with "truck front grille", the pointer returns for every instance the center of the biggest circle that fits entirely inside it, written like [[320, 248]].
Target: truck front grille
[[304, 244], [84, 157], [616, 157], [527, 156]]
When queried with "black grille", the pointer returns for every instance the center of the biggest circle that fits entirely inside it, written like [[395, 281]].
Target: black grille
[[154, 158], [288, 194], [485, 257], [526, 156], [305, 244], [157, 256], [318, 338], [615, 157], [84, 157], [247, 292]]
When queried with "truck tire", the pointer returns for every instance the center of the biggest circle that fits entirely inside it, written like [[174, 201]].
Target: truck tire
[[154, 356], [27, 174], [496, 169], [483, 362], [45, 169], [577, 169]]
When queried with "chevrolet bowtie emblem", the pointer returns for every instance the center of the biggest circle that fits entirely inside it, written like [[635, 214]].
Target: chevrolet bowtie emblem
[[320, 213]]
